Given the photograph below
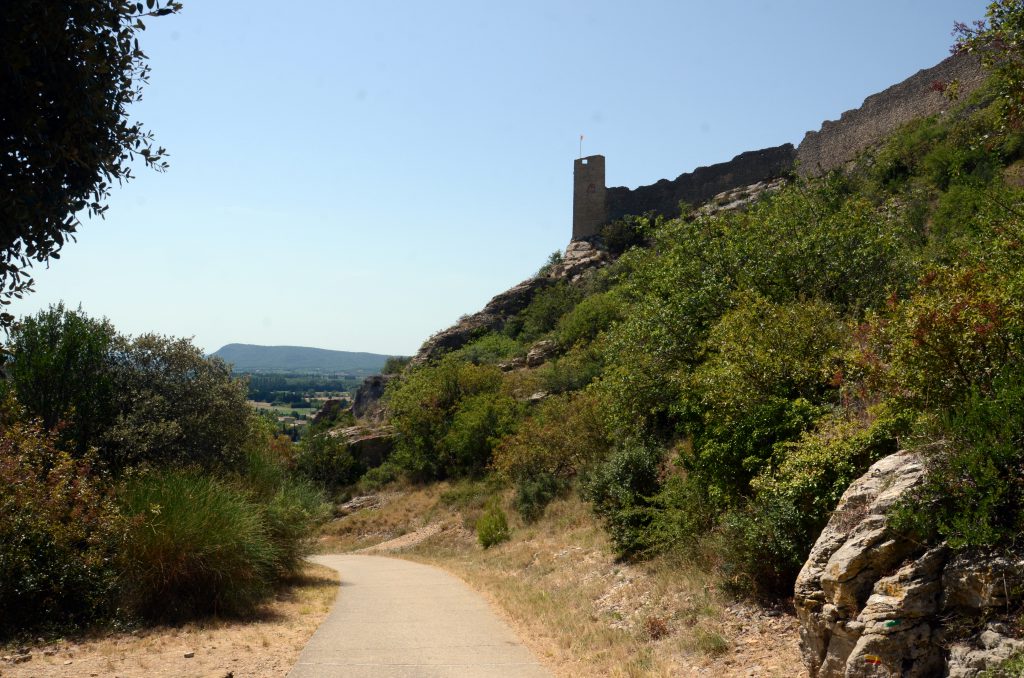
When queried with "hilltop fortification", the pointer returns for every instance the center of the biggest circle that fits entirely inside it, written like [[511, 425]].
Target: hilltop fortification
[[833, 146]]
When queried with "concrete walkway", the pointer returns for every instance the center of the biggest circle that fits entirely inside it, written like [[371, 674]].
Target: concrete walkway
[[397, 619]]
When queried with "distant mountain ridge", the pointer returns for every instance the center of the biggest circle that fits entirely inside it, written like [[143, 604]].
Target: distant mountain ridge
[[254, 358]]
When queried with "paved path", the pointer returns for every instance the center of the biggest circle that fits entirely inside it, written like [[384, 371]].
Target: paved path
[[396, 619]]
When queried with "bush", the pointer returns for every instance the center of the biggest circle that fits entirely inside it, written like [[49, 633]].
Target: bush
[[195, 546], [149, 399], [424, 407], [60, 371], [621, 490], [377, 478], [589, 318], [563, 438], [764, 547], [534, 492], [395, 364], [490, 349], [974, 493], [478, 423], [293, 507], [325, 460], [57, 535], [542, 315], [492, 527]]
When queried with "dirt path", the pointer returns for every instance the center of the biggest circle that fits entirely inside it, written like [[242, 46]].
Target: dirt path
[[394, 618]]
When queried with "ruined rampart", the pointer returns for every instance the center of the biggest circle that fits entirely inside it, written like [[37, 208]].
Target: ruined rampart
[[832, 147], [700, 185], [840, 141]]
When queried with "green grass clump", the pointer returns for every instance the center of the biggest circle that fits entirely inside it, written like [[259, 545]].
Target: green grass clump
[[196, 545], [492, 527]]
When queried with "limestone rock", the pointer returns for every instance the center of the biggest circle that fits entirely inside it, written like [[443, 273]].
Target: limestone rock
[[580, 256], [541, 352], [972, 584], [369, 445], [493, 317], [991, 648], [871, 602], [853, 552], [367, 402]]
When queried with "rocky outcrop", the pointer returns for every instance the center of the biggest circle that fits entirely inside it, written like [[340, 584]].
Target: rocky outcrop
[[367, 403], [541, 352], [740, 198], [369, 445], [873, 603], [493, 317], [580, 256]]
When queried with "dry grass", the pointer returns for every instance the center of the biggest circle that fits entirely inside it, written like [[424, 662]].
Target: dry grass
[[577, 608], [266, 645]]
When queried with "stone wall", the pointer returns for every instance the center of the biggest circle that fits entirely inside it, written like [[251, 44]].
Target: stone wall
[[701, 185], [833, 146], [839, 141]]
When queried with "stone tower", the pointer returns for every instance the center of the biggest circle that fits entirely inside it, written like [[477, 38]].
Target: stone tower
[[588, 208]]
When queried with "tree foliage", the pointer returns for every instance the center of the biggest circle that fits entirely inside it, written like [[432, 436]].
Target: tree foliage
[[69, 71]]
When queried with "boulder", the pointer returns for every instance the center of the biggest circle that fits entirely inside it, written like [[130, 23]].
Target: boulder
[[541, 352], [872, 602]]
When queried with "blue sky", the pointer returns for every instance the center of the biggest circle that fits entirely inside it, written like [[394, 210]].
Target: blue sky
[[357, 175]]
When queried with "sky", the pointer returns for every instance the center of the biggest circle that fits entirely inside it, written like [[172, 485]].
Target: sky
[[357, 175]]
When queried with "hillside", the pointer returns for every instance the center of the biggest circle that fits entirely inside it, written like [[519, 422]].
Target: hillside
[[807, 388], [253, 358]]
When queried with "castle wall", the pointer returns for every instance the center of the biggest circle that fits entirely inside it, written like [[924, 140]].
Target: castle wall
[[840, 141], [700, 185], [833, 146]]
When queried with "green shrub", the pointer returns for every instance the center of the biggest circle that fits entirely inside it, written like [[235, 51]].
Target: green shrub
[[589, 318], [424, 406], [974, 493], [564, 437], [534, 492], [293, 507], [621, 490], [763, 546], [395, 364], [622, 234], [490, 349], [545, 309], [572, 371], [377, 478], [477, 425], [195, 546], [325, 459], [60, 371], [492, 527], [57, 536]]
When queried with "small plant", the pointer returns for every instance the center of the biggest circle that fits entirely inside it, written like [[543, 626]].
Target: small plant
[[492, 527], [656, 627]]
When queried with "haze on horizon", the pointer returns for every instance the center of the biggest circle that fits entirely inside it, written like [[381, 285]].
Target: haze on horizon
[[356, 176]]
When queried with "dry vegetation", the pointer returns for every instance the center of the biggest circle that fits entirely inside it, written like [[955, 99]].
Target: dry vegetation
[[577, 608], [264, 646]]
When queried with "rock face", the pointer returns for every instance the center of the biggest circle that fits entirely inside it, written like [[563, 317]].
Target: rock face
[[369, 445], [872, 603], [580, 257], [367, 402], [492, 317]]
